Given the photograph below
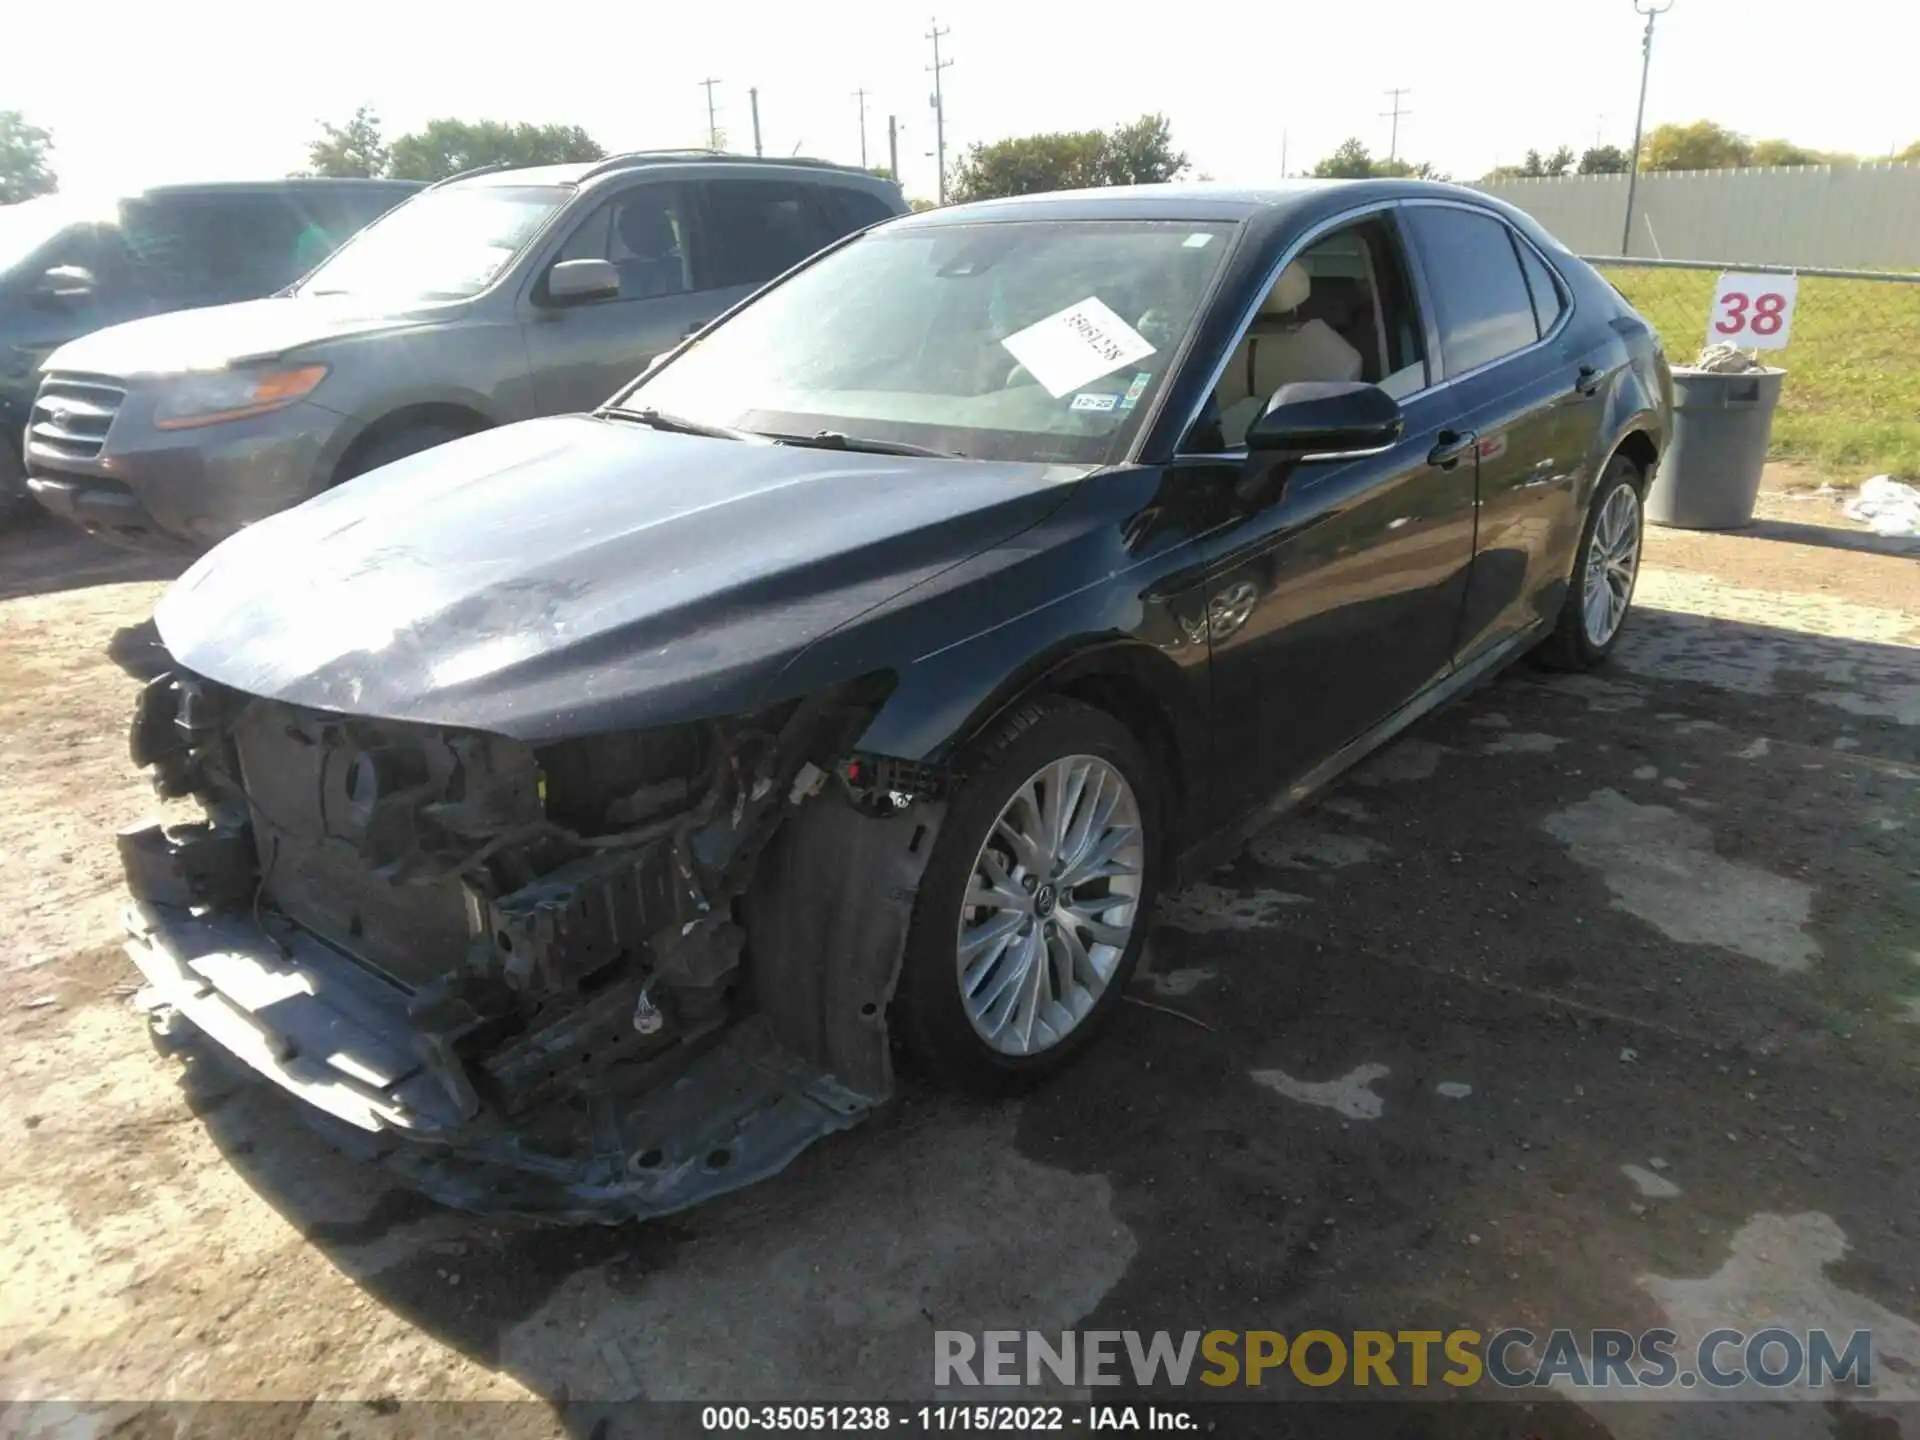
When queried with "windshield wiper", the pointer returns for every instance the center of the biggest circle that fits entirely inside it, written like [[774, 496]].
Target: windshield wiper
[[678, 424], [840, 440]]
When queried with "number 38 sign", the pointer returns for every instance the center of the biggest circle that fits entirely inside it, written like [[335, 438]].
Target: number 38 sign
[[1754, 312]]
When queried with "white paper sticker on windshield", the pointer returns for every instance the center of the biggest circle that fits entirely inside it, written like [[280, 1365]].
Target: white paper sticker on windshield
[[1077, 344], [1199, 240]]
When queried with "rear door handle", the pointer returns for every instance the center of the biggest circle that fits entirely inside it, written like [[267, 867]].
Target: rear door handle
[[1589, 379], [1453, 445]]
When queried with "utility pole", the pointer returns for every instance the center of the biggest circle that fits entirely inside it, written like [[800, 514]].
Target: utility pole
[[713, 126], [939, 107], [893, 147], [1283, 153], [1393, 144], [861, 95], [753, 99], [1639, 119]]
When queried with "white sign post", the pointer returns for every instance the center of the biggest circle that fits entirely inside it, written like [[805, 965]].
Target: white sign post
[[1754, 312]]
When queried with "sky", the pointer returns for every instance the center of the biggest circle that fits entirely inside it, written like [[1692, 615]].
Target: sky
[[220, 89]]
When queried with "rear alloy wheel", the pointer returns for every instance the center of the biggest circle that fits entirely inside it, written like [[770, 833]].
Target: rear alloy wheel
[[1605, 569], [1033, 909]]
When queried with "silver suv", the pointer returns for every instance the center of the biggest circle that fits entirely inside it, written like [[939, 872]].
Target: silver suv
[[487, 298]]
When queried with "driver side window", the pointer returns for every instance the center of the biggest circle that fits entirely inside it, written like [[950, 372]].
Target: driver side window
[[1342, 309], [644, 232]]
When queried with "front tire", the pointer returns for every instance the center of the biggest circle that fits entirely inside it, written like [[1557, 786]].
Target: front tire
[[1032, 912], [1606, 566], [397, 446]]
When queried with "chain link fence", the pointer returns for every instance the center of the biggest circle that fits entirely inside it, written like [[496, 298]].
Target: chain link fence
[[1851, 404]]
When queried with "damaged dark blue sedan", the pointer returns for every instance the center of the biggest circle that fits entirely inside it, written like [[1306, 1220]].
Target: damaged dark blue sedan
[[593, 806]]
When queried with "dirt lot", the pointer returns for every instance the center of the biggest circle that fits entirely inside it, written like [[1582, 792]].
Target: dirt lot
[[1593, 1001]]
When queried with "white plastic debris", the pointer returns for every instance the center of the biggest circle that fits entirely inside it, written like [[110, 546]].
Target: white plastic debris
[[1887, 506], [1727, 360]]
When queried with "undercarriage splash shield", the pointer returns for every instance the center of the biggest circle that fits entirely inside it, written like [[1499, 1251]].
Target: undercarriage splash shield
[[317, 1025]]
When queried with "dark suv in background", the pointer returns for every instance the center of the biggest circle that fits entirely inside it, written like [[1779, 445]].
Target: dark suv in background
[[487, 298], [68, 267]]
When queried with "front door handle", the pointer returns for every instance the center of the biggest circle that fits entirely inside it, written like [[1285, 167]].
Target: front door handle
[[694, 329], [1589, 379], [1453, 444]]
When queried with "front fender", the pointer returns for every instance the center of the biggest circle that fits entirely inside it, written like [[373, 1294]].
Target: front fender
[[1089, 598]]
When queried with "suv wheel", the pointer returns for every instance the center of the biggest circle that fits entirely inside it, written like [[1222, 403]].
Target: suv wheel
[[1033, 909], [15, 503], [397, 446]]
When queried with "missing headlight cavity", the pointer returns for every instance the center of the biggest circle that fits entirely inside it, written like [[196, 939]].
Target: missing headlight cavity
[[558, 951]]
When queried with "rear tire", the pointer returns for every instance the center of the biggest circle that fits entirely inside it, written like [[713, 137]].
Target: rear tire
[[397, 446], [1022, 944], [1606, 567]]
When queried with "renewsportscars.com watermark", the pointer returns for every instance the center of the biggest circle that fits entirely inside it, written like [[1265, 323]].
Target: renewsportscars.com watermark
[[1775, 1359]]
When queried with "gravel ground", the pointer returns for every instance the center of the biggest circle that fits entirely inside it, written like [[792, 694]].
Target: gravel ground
[[1593, 1001]]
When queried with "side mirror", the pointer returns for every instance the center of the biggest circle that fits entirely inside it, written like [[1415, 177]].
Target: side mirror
[[574, 280], [64, 284], [1326, 420]]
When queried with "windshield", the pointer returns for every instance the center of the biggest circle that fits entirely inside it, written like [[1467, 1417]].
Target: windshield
[[440, 245], [1022, 340]]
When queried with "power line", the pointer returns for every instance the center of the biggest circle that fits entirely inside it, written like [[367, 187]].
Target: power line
[[713, 126], [1639, 119], [1393, 145], [861, 95], [938, 102]]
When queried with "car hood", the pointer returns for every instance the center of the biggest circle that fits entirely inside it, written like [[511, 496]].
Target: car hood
[[223, 335], [575, 574]]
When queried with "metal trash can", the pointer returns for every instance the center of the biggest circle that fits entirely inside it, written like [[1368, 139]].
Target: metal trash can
[[1722, 422]]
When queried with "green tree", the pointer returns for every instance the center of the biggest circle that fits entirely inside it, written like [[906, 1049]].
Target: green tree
[[354, 150], [1911, 154], [1140, 153], [23, 159], [1351, 160], [1605, 160], [1702, 145], [1536, 166], [447, 147], [1785, 152]]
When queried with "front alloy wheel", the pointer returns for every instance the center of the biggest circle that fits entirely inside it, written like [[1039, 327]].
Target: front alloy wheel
[[1032, 910], [1054, 898]]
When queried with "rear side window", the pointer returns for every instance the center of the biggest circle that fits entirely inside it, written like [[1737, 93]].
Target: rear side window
[[849, 210], [755, 229], [205, 249], [1547, 300], [1484, 307]]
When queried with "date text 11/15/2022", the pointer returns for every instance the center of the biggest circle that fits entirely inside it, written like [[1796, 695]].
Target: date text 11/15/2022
[[983, 1419]]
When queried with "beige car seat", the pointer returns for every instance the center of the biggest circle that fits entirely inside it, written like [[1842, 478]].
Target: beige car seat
[[1277, 350]]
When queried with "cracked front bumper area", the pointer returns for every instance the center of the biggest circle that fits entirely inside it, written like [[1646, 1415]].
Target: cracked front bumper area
[[300, 1014]]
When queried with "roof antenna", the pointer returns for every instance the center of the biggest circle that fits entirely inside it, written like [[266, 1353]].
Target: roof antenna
[[796, 148]]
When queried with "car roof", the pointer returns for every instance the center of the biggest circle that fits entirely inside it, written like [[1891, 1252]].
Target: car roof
[[592, 171], [272, 187], [1198, 201]]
